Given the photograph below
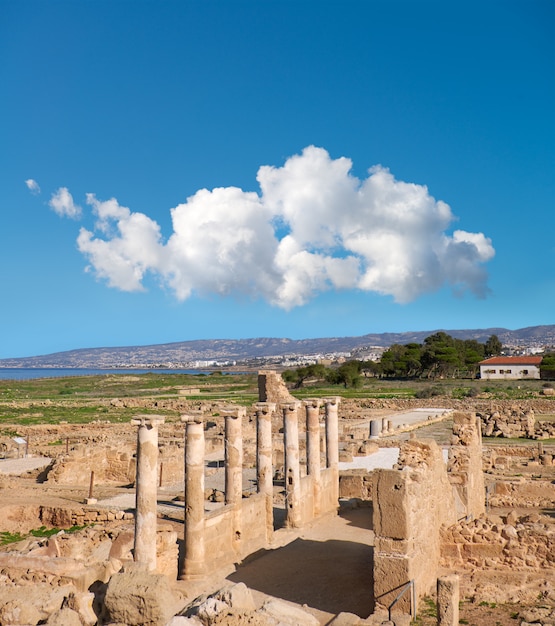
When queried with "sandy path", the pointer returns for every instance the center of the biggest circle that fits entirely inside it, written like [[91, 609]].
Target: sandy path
[[16, 467], [327, 566]]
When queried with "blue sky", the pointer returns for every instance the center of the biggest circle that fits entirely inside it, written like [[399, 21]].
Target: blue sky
[[227, 169]]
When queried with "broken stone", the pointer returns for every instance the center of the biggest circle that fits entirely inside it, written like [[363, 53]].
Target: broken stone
[[288, 615], [137, 598]]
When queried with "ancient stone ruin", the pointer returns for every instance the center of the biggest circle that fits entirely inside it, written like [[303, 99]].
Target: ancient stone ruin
[[171, 512]]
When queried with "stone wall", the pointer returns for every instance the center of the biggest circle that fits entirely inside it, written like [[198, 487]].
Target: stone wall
[[222, 544], [510, 422], [271, 388], [411, 504], [522, 493], [494, 541], [355, 483], [508, 559], [110, 464], [329, 490], [465, 464], [83, 557], [24, 518], [118, 464]]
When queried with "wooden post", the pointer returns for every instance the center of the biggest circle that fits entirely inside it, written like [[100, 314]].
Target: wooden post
[[91, 485]]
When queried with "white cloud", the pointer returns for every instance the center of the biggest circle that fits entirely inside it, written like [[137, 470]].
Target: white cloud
[[133, 248], [33, 186], [313, 227], [62, 203]]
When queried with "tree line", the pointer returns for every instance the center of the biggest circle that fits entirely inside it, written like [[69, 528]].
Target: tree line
[[440, 356]]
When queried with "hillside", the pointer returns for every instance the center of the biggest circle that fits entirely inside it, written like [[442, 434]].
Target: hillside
[[186, 352]]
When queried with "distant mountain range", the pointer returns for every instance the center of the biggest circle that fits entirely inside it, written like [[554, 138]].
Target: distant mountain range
[[189, 353]]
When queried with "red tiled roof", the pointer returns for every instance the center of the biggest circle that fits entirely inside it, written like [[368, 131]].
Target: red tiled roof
[[512, 360]]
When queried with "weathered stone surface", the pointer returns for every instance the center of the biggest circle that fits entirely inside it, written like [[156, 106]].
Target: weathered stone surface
[[288, 615], [64, 617], [345, 619], [486, 543], [271, 388], [448, 601], [82, 603], [355, 484], [179, 620], [19, 606], [138, 598], [411, 504], [515, 422], [238, 597], [390, 516], [465, 464], [210, 609]]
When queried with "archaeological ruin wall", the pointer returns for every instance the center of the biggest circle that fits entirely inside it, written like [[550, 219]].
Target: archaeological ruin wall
[[411, 504], [271, 388], [507, 558], [465, 467], [415, 500], [245, 525]]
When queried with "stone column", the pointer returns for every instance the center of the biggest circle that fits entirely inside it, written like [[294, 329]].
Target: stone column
[[264, 467], [448, 601], [264, 470], [313, 450], [146, 483], [375, 428], [332, 442], [194, 557], [234, 455], [332, 432], [234, 470], [293, 518]]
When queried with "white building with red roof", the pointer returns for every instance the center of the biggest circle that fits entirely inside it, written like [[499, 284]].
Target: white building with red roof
[[510, 367]]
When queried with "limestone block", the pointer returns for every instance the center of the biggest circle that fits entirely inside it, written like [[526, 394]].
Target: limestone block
[[82, 603], [402, 619], [448, 601], [179, 620], [390, 513], [355, 485], [391, 546], [287, 614], [345, 619], [122, 545], [271, 388], [136, 597], [102, 551], [238, 597], [30, 605], [509, 532], [389, 575], [19, 613], [64, 617], [210, 609], [450, 551]]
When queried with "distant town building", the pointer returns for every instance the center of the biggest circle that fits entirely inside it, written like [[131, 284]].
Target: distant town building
[[510, 367]]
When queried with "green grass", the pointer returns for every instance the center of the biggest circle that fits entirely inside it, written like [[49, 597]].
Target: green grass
[[7, 537], [84, 399], [545, 417]]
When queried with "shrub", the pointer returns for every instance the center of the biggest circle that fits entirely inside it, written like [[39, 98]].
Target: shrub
[[428, 392]]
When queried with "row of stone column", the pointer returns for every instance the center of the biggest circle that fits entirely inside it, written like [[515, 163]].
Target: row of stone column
[[292, 473], [147, 461], [379, 427]]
